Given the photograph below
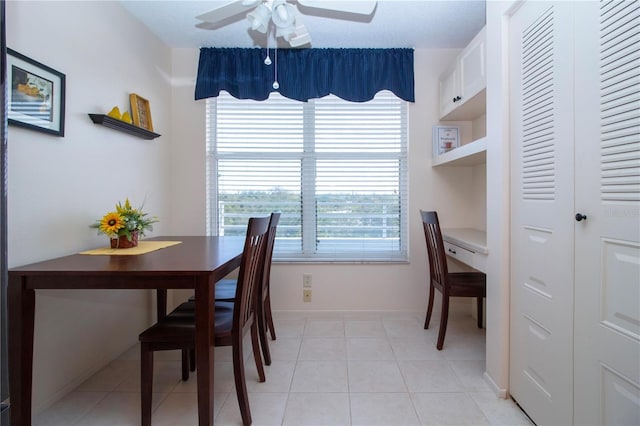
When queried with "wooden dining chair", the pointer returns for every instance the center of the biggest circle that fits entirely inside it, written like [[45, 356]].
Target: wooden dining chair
[[232, 322], [226, 291], [450, 284]]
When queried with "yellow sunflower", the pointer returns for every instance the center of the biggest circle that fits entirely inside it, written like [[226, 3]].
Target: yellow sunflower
[[111, 223]]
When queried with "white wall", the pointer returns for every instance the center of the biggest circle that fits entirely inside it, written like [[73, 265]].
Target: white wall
[[59, 186], [498, 189], [188, 185]]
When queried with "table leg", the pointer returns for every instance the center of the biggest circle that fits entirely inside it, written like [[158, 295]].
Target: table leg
[[204, 348], [161, 303], [21, 310]]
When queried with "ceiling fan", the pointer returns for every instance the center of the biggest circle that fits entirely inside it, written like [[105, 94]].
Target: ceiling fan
[[262, 14]]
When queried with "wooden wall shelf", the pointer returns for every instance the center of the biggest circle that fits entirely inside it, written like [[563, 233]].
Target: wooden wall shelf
[[106, 121]]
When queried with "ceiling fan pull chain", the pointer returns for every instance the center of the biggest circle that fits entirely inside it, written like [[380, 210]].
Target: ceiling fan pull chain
[[276, 85], [267, 59]]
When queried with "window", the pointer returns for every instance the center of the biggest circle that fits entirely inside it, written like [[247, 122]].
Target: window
[[336, 170]]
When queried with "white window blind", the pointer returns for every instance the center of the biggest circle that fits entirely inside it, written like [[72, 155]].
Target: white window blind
[[336, 170]]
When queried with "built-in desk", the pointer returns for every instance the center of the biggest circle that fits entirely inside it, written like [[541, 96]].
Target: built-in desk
[[467, 245]]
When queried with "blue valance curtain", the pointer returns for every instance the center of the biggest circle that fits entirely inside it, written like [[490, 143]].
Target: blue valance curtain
[[351, 74]]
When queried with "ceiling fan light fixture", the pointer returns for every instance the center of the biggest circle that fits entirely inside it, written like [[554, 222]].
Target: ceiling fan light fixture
[[284, 15], [259, 18]]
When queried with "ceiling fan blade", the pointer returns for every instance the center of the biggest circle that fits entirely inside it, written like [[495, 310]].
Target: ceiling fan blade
[[360, 7], [227, 11]]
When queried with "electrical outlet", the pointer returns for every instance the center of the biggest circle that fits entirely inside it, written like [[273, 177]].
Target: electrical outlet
[[306, 280], [306, 295]]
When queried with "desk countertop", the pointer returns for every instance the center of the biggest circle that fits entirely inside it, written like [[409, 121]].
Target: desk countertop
[[471, 239]]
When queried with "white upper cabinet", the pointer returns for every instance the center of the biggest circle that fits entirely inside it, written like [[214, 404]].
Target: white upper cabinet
[[448, 89], [473, 77], [462, 86]]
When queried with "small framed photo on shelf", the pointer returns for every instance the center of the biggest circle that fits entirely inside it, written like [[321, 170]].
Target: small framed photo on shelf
[[140, 112], [445, 138], [35, 95]]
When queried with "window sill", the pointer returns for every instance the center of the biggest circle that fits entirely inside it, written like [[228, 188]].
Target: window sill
[[293, 261]]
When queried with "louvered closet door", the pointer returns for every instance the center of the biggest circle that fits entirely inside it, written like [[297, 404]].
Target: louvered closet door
[[542, 224], [607, 289]]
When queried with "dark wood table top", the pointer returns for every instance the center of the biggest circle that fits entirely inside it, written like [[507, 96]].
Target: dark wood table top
[[193, 256]]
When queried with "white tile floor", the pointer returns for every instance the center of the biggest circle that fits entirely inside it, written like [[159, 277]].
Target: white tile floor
[[327, 369]]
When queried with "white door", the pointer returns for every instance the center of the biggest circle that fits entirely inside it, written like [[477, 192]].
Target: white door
[[607, 243], [542, 224]]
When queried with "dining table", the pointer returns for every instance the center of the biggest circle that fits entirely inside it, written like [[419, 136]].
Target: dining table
[[183, 262]]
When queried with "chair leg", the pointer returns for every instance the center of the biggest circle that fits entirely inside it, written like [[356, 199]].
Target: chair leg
[[256, 351], [429, 307], [192, 360], [262, 332], [269, 317], [185, 364], [146, 383], [241, 384], [479, 312], [444, 316]]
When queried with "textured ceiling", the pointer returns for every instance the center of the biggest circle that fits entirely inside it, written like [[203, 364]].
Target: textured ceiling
[[394, 23]]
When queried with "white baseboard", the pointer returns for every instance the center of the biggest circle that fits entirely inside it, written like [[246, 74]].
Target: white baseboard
[[500, 392]]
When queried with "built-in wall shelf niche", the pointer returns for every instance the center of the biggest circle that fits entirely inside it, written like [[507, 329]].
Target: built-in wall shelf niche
[[470, 154], [113, 123], [472, 108], [462, 89]]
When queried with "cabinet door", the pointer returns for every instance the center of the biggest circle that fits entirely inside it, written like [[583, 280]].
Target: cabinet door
[[471, 66], [448, 88], [542, 224]]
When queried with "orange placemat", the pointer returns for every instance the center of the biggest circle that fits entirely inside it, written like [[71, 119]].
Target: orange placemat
[[142, 248]]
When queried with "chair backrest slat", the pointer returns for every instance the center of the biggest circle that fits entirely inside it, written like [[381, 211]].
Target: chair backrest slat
[[251, 270], [435, 247], [271, 240]]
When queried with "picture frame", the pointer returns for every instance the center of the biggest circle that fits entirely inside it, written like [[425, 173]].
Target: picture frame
[[445, 138], [36, 95], [140, 112]]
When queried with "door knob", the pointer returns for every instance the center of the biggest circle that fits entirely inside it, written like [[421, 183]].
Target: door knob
[[456, 99], [580, 217]]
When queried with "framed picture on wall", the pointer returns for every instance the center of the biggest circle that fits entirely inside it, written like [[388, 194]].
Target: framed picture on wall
[[35, 95], [140, 112], [445, 138]]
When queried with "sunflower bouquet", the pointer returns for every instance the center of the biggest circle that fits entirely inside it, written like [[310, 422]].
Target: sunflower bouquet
[[124, 222]]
